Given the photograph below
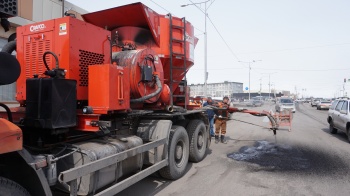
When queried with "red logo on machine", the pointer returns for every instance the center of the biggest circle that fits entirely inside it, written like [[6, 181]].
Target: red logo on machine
[[38, 27]]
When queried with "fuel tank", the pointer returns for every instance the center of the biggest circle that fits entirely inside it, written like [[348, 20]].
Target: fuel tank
[[97, 149]]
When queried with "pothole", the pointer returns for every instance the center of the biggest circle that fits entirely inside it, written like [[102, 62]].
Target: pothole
[[276, 156]]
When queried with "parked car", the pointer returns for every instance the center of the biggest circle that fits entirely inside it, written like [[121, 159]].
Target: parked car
[[314, 102], [285, 104], [255, 103], [339, 116], [323, 104]]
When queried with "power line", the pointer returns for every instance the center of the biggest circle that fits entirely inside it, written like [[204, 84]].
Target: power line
[[210, 22], [217, 29], [198, 29], [197, 6], [220, 69], [223, 40], [211, 4], [199, 34], [339, 69], [160, 6], [291, 49]]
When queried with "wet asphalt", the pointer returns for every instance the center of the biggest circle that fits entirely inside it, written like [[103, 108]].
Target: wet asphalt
[[308, 160]]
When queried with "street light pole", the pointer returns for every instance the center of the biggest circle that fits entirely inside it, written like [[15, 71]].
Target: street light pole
[[249, 62], [249, 80], [260, 88], [205, 50], [205, 42], [269, 82], [269, 86], [274, 90]]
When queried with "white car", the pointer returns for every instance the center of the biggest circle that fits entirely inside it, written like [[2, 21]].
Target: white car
[[339, 116], [323, 104], [314, 102], [285, 104]]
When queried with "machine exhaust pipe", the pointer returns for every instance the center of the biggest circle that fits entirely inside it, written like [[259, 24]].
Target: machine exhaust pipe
[[10, 68], [9, 47], [169, 108]]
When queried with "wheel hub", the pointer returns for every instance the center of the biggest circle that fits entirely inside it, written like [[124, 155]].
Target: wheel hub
[[178, 154], [200, 140]]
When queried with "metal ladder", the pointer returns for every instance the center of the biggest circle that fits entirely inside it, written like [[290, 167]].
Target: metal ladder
[[178, 56]]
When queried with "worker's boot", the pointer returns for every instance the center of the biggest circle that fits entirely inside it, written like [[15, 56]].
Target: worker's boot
[[216, 139], [223, 140]]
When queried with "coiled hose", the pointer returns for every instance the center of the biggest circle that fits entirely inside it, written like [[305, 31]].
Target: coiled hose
[[146, 97]]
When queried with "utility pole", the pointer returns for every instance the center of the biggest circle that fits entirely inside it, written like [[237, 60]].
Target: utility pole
[[205, 50], [270, 82], [269, 86], [249, 80], [274, 90], [205, 41], [344, 87], [249, 62], [260, 88]]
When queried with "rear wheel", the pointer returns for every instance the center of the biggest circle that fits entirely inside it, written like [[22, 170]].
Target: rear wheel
[[332, 129], [198, 140], [9, 188], [178, 152]]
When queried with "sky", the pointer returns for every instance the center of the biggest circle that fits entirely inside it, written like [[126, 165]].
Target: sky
[[298, 45]]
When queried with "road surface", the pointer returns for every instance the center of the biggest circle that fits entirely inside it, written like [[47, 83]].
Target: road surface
[[306, 161]]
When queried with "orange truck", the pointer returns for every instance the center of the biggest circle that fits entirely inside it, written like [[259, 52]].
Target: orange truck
[[103, 103]]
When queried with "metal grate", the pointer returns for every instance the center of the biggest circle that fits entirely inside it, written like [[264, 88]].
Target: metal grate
[[8, 7], [88, 58], [33, 57]]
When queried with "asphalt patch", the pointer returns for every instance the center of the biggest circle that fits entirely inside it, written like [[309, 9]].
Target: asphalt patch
[[276, 156], [281, 157]]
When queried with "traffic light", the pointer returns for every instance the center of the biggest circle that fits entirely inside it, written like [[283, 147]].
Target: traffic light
[[344, 80]]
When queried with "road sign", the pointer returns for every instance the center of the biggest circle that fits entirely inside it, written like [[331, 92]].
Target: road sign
[[246, 88]]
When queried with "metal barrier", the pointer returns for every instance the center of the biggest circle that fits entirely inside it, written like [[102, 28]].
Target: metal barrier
[[284, 119]]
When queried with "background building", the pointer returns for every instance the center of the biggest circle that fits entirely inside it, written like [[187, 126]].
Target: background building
[[217, 89], [31, 11], [264, 94]]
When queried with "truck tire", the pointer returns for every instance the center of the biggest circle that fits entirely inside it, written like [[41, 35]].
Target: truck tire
[[11, 188], [178, 151], [331, 127], [197, 135]]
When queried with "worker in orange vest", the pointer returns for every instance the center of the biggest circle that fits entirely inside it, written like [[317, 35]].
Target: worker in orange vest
[[221, 121]]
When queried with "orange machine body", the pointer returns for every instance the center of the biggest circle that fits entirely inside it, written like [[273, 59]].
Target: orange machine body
[[77, 44], [11, 138], [137, 36], [110, 88], [142, 27]]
